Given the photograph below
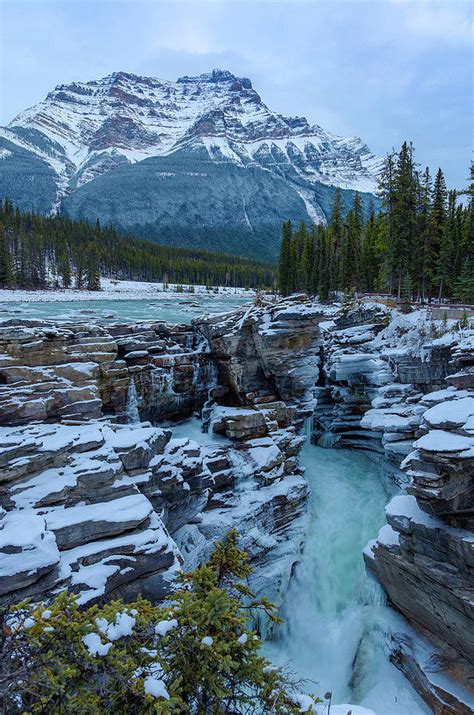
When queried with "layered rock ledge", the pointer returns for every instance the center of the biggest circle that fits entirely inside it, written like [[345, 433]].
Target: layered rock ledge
[[98, 498]]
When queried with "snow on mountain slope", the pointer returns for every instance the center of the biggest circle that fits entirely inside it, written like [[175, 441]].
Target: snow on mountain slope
[[86, 130]]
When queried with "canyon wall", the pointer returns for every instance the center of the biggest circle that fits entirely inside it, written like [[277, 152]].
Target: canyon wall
[[98, 498], [401, 388]]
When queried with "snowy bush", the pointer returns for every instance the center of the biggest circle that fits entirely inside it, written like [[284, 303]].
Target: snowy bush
[[196, 655]]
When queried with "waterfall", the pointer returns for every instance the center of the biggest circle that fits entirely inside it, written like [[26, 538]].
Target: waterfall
[[327, 440], [308, 431], [132, 402], [163, 386], [333, 612], [204, 371]]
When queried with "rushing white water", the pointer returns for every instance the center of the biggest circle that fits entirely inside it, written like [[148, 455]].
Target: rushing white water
[[335, 617], [192, 429]]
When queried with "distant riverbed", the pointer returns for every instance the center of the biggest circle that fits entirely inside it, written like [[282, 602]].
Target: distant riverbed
[[120, 300]]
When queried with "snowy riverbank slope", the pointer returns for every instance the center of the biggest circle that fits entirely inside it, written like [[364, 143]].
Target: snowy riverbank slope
[[119, 290]]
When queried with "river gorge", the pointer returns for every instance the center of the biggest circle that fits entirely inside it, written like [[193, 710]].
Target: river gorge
[[339, 442]]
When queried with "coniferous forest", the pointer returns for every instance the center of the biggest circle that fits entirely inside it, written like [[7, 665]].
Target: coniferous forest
[[418, 246], [40, 252]]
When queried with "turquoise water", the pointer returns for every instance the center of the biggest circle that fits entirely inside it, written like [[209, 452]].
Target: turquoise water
[[175, 309], [335, 615], [336, 621]]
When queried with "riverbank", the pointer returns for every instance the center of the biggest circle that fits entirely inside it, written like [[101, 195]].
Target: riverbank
[[117, 290]]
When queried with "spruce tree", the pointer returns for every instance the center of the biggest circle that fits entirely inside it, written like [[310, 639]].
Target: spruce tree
[[334, 243], [307, 262], [93, 269], [464, 284], [446, 249], [404, 221], [371, 252], [299, 271], [64, 268], [438, 221], [315, 237], [324, 284], [386, 193], [422, 257], [5, 261], [406, 293], [349, 270], [284, 264]]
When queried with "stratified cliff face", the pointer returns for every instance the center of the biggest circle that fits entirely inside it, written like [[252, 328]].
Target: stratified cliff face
[[201, 161], [99, 498], [99, 502], [424, 557], [271, 350], [395, 387]]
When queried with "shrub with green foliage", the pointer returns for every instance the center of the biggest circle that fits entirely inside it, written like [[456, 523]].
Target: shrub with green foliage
[[194, 655]]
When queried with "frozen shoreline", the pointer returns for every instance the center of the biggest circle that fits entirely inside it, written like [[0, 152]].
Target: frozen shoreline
[[117, 290]]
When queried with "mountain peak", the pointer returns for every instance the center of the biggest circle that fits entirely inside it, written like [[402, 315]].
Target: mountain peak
[[89, 142], [217, 76]]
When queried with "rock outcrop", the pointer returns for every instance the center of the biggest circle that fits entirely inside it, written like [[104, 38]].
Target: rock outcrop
[[268, 354], [99, 499], [424, 556], [400, 387], [377, 368], [75, 371]]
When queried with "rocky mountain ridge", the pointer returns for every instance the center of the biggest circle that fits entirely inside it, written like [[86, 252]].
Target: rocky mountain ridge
[[126, 136]]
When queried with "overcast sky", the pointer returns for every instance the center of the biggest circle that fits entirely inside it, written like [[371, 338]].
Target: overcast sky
[[384, 70]]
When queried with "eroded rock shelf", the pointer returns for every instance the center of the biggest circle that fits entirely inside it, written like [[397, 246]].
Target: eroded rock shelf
[[99, 497]]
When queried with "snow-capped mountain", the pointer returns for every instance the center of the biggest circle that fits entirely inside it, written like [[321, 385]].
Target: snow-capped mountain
[[202, 160]]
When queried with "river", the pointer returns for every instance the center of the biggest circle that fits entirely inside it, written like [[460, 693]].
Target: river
[[335, 617]]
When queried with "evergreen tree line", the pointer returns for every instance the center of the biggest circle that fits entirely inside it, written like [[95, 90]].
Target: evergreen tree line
[[40, 252], [418, 246]]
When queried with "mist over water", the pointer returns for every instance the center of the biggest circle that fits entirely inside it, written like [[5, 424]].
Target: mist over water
[[335, 616]]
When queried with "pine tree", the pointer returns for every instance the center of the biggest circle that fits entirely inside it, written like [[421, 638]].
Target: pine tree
[[438, 221], [5, 261], [404, 218], [92, 269], [197, 647], [284, 265]]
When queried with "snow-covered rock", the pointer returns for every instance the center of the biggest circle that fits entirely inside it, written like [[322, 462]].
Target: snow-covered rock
[[427, 567], [116, 502]]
